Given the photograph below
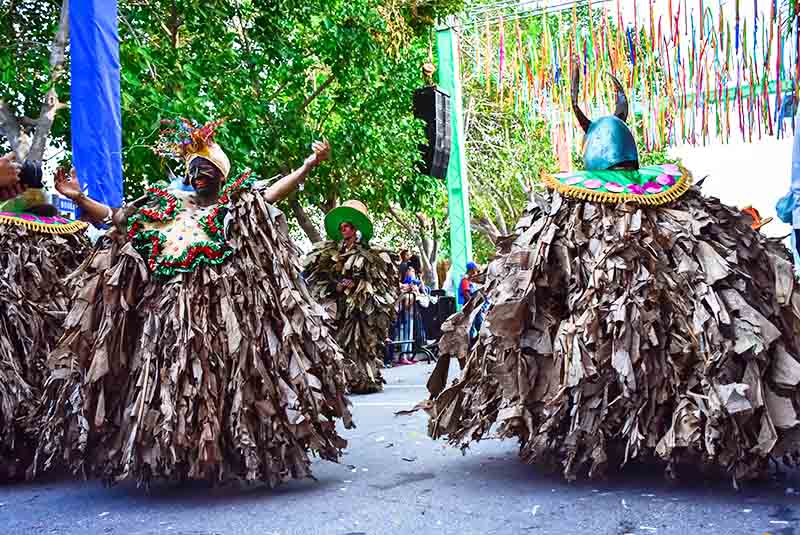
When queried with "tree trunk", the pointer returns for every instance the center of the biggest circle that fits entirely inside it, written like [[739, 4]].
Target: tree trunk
[[304, 221], [51, 104], [487, 228], [426, 237], [428, 250], [10, 127]]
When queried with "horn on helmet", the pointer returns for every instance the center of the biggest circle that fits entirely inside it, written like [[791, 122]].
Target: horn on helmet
[[582, 119], [621, 111]]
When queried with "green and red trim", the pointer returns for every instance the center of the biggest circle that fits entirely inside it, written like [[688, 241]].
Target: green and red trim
[[168, 205], [151, 243]]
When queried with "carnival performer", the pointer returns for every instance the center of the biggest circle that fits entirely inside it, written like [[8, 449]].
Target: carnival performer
[[357, 283], [633, 319], [194, 350], [38, 250]]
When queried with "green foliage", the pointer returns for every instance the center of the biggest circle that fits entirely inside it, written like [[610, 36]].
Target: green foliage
[[281, 72], [26, 32]]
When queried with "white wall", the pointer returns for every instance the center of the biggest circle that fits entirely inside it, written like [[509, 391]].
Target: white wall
[[741, 174]]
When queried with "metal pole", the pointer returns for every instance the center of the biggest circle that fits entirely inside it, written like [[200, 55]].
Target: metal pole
[[457, 185]]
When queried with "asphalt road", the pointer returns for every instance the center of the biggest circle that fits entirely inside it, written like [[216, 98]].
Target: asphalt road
[[395, 480]]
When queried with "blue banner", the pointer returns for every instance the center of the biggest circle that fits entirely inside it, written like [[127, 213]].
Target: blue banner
[[95, 99]]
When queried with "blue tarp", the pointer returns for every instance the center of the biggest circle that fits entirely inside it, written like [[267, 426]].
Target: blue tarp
[[95, 98]]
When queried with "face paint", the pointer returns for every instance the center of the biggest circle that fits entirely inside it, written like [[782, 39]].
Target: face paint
[[204, 177]]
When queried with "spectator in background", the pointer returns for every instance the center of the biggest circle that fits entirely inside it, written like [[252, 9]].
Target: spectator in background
[[467, 288], [403, 269], [409, 317], [415, 262]]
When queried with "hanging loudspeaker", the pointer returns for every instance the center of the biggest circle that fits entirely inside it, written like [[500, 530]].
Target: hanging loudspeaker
[[432, 105]]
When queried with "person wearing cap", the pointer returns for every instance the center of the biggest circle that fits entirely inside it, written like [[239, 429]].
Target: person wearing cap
[[193, 349], [467, 288], [357, 283]]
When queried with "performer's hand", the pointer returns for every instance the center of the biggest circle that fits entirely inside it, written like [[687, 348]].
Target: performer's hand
[[322, 151], [11, 192], [9, 171], [69, 187], [344, 285]]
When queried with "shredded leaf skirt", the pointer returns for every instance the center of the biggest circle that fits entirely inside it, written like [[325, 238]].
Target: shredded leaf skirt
[[34, 299], [661, 334], [363, 317], [225, 373]]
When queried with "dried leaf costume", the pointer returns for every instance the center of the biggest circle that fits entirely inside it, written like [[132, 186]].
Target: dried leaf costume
[[363, 314], [633, 318], [37, 254], [194, 349]]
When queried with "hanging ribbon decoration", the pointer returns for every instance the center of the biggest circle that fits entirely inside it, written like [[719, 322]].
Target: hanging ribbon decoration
[[684, 74]]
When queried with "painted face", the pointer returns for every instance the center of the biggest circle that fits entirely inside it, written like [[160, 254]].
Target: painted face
[[348, 231], [204, 177]]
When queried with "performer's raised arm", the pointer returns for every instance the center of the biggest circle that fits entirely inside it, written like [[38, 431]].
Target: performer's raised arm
[[286, 185], [92, 211]]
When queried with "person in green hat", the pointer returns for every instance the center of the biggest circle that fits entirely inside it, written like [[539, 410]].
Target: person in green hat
[[633, 320], [357, 283]]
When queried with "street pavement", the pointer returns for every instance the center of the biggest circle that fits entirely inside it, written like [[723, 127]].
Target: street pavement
[[395, 480]]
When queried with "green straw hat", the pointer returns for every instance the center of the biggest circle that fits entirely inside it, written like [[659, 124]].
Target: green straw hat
[[353, 212]]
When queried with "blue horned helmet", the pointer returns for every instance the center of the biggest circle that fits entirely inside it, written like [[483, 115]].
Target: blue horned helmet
[[608, 143]]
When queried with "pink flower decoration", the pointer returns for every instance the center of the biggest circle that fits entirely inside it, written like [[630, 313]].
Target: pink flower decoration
[[636, 189], [665, 180], [613, 187], [652, 187], [571, 181], [671, 169], [593, 184]]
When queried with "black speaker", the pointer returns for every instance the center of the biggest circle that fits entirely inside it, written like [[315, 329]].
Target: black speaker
[[437, 314], [432, 105]]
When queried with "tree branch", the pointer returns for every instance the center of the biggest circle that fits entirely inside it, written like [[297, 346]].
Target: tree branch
[[51, 104], [485, 227], [175, 24], [10, 127], [500, 221], [304, 220], [399, 220], [139, 42], [322, 87]]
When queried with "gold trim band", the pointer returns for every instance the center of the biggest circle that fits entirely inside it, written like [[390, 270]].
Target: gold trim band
[[673, 194], [58, 228]]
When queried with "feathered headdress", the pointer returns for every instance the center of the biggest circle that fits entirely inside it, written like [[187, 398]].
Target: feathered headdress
[[186, 140]]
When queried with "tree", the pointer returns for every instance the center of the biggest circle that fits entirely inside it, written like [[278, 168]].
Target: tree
[[33, 73], [282, 72]]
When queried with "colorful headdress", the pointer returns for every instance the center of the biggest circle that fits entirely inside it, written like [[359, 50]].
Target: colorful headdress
[[611, 160], [187, 140]]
